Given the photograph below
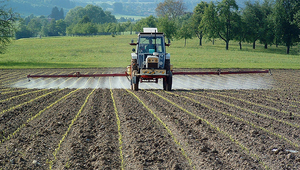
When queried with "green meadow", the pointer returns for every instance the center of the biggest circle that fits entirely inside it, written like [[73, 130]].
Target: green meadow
[[108, 51]]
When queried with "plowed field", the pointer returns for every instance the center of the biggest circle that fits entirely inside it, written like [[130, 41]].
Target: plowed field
[[98, 123]]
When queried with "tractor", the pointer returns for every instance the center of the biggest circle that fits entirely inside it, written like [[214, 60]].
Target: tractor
[[150, 61]]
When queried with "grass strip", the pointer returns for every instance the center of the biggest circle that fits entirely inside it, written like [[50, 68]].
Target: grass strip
[[214, 127], [119, 126]]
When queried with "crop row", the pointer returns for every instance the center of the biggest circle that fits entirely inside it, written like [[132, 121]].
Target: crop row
[[192, 121]]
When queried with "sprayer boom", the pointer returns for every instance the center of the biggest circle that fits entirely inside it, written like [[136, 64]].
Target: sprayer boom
[[77, 74], [219, 72]]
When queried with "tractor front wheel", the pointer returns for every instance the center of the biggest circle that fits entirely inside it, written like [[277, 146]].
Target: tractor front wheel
[[167, 82], [134, 81]]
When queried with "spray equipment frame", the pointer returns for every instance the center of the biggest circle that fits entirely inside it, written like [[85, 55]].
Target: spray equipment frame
[[125, 74]]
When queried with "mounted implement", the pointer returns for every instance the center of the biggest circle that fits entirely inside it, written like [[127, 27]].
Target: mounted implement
[[149, 63]]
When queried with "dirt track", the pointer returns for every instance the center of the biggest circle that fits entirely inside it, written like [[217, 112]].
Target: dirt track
[[95, 128]]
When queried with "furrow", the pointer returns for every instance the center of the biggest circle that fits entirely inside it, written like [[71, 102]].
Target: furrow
[[56, 151], [289, 113], [292, 129], [147, 143], [16, 123], [35, 143], [217, 146]]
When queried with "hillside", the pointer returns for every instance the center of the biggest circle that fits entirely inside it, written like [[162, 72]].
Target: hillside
[[130, 7], [39, 7]]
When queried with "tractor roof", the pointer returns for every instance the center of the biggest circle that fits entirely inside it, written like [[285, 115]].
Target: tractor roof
[[150, 33]]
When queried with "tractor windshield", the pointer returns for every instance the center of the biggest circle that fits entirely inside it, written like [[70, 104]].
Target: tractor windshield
[[151, 44]]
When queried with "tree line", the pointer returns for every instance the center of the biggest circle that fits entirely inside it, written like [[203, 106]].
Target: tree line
[[272, 22]]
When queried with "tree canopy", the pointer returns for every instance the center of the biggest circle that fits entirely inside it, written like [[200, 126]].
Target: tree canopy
[[7, 20], [288, 30], [170, 8], [95, 14], [196, 20], [57, 14], [220, 20]]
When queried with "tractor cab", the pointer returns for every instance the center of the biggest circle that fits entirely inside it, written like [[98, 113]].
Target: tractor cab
[[151, 49], [149, 44]]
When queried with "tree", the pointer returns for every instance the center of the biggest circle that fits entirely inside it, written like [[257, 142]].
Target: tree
[[85, 19], [185, 32], [170, 8], [196, 20], [61, 27], [267, 33], [284, 19], [240, 29], [220, 20], [254, 18], [62, 13], [52, 29], [150, 21], [7, 20], [128, 26], [22, 32], [95, 14], [56, 14], [168, 27], [209, 22], [34, 26], [227, 16], [297, 18]]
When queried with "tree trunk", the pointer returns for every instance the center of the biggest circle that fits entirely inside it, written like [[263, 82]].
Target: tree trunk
[[266, 46], [240, 43], [185, 42], [227, 45], [200, 41], [288, 49], [213, 41], [254, 45]]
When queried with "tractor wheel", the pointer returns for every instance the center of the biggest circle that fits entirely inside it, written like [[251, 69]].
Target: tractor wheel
[[135, 81], [167, 82]]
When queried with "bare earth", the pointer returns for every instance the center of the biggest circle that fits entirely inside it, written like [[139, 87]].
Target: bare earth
[[99, 123]]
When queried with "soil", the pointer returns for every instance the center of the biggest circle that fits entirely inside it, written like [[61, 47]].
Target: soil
[[117, 128]]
